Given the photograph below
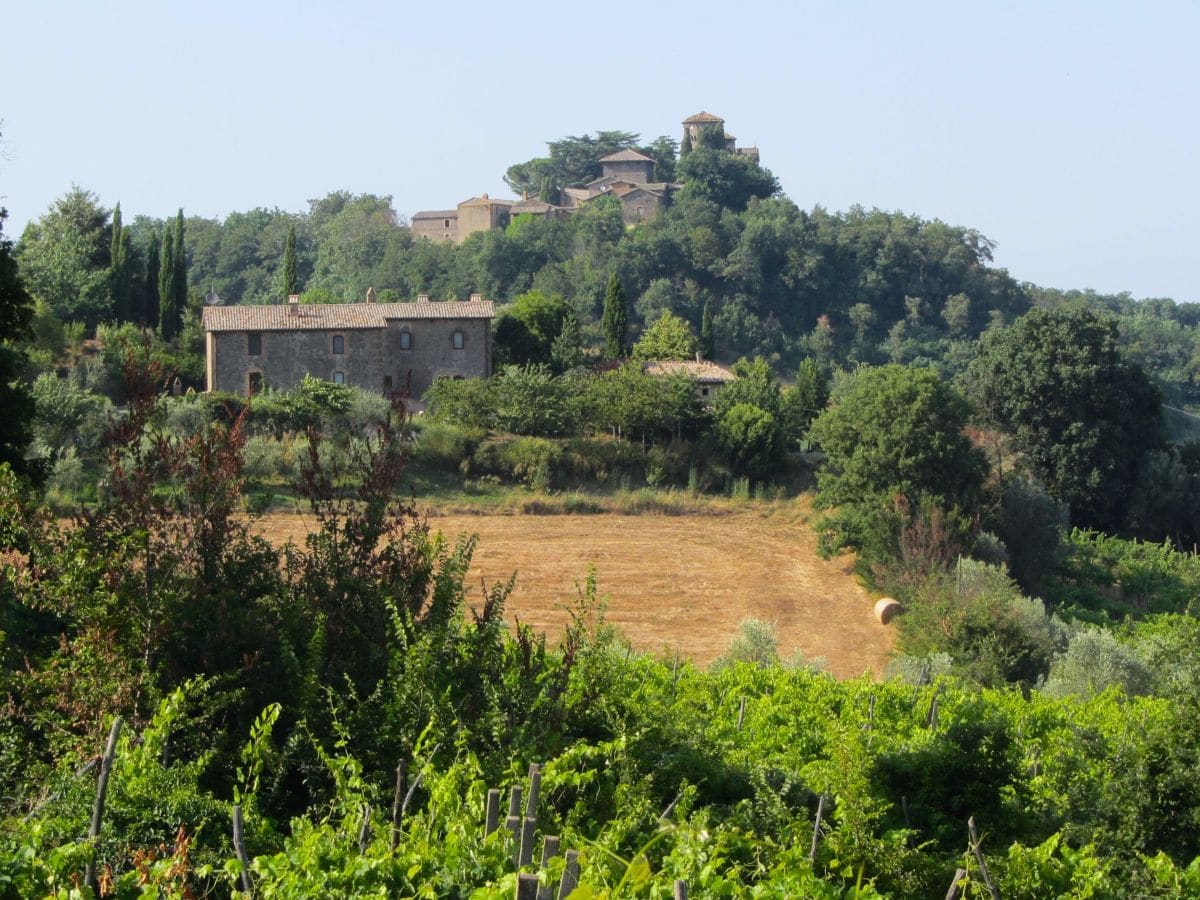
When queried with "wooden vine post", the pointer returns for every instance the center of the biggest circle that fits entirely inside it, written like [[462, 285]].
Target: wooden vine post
[[398, 800], [983, 870], [106, 764], [239, 846]]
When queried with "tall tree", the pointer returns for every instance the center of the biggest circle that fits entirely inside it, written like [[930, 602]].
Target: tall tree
[[16, 318], [64, 258], [615, 320], [166, 286], [179, 267], [289, 264], [708, 346], [120, 282], [892, 430], [150, 296], [1082, 418]]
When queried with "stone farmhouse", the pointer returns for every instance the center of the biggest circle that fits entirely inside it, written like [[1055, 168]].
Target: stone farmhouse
[[396, 349], [708, 376], [626, 175]]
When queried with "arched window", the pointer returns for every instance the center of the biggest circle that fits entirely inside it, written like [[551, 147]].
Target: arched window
[[406, 340], [339, 344], [458, 340]]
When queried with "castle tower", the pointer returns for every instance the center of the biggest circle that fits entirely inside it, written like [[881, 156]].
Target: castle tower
[[693, 126]]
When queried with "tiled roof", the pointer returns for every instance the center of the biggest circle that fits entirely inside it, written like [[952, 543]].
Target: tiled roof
[[626, 156], [337, 316], [700, 370], [495, 201], [435, 214], [703, 118], [532, 206]]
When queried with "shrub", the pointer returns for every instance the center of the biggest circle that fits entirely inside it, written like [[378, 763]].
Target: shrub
[[750, 439], [977, 615], [1095, 660], [444, 446], [755, 643], [531, 460]]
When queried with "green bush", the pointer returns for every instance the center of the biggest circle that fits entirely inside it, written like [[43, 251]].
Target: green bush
[[1094, 661], [444, 446], [533, 461]]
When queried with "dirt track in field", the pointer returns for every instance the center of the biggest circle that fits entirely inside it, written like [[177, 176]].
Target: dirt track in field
[[674, 583]]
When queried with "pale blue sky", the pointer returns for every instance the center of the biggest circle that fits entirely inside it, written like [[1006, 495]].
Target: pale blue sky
[[1069, 133]]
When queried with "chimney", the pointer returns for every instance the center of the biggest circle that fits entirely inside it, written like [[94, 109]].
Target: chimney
[[422, 298], [370, 295], [293, 305], [475, 298]]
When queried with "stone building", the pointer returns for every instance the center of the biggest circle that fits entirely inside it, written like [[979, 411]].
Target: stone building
[[391, 348], [481, 213], [708, 376], [626, 174], [695, 126]]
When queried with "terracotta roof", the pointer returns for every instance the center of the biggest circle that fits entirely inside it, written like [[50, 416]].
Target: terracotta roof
[[577, 193], [703, 118], [700, 370], [627, 156], [347, 316], [435, 214], [486, 199]]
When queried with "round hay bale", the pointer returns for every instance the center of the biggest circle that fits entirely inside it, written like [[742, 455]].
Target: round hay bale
[[887, 609]]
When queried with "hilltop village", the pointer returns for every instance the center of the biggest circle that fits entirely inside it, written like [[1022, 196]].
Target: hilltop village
[[627, 175]]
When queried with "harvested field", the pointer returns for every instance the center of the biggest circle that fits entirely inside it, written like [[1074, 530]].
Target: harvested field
[[675, 583]]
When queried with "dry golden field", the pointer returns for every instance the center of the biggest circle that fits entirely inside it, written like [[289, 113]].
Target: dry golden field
[[674, 583]]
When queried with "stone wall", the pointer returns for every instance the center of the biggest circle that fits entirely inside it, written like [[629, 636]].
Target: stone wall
[[442, 228]]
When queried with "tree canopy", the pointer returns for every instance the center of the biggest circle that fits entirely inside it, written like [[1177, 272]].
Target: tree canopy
[[1079, 414]]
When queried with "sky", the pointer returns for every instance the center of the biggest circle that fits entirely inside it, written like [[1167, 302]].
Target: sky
[[1067, 133]]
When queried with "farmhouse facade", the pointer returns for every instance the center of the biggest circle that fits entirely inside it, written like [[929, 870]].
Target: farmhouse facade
[[390, 348]]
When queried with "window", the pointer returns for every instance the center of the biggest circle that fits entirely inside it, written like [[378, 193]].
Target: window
[[254, 344], [339, 345], [339, 377], [254, 383], [446, 224], [387, 383], [406, 340], [703, 392], [458, 340]]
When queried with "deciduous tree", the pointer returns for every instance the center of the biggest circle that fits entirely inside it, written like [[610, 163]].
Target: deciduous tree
[[1081, 417]]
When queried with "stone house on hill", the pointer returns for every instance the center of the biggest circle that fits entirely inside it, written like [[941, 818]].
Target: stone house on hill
[[481, 213], [390, 348], [708, 376]]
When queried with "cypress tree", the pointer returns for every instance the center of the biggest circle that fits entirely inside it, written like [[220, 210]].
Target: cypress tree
[[166, 286], [685, 146], [707, 343], [118, 269], [179, 284], [150, 300], [615, 320], [289, 264]]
